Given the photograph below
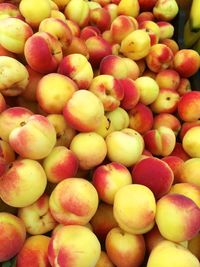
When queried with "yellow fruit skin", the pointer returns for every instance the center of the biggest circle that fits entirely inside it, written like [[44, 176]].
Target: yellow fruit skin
[[194, 17]]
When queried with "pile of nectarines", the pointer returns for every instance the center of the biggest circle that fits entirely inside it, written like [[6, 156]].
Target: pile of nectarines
[[99, 136]]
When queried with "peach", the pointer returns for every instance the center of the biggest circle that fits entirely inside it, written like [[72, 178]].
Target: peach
[[109, 178], [45, 59], [178, 151], [56, 14], [35, 11], [191, 142], [94, 4], [125, 249], [160, 57], [124, 146], [78, 11], [166, 30], [168, 79], [61, 3], [147, 4], [13, 34], [168, 253], [142, 66], [189, 171], [106, 35], [136, 45], [172, 44], [129, 8], [77, 67], [145, 15], [166, 102], [98, 48], [160, 142], [54, 6], [175, 164], [14, 76], [84, 111], [102, 2], [112, 10], [3, 166], [100, 18], [189, 106], [5, 52], [159, 179], [152, 239], [118, 67], [53, 92], [58, 29], [73, 201], [106, 127], [8, 10], [148, 89], [34, 252], [189, 190], [132, 216], [108, 90], [104, 261], [193, 246], [88, 32], [183, 217], [60, 164], [167, 120], [6, 152], [153, 30], [186, 62], [149, 73], [68, 242], [131, 94], [103, 221], [30, 91], [77, 46], [140, 118], [23, 183], [186, 126], [165, 10], [116, 49], [3, 104], [12, 118], [74, 27], [64, 133], [90, 149], [184, 86], [37, 217], [34, 138], [118, 119], [13, 235], [121, 26]]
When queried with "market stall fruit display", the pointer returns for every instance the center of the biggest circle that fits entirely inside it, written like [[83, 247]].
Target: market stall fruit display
[[99, 133]]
